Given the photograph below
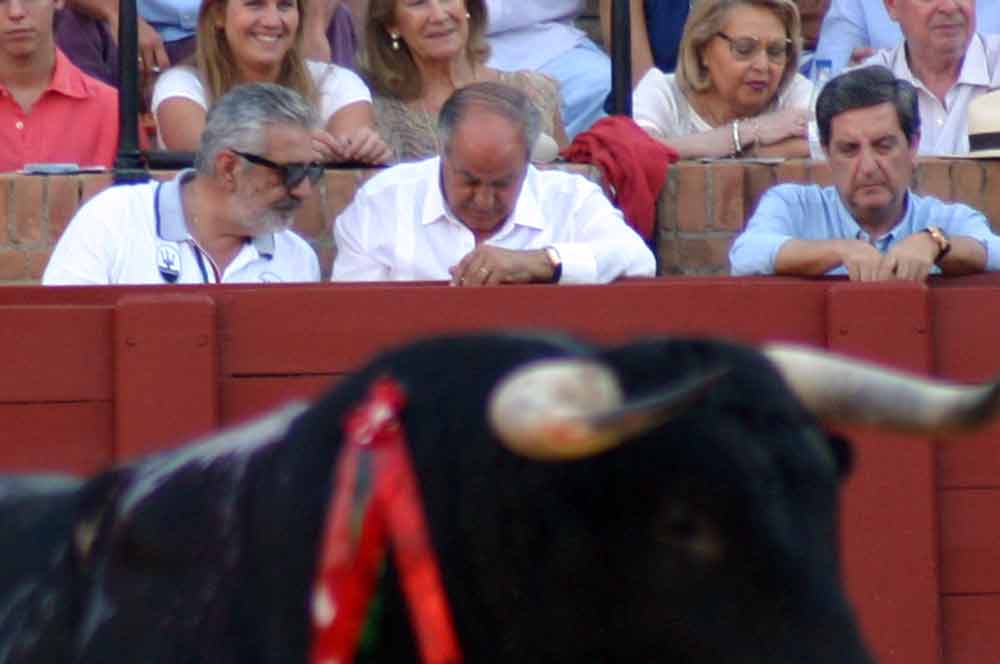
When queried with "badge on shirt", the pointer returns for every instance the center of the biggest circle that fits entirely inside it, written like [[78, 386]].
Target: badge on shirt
[[168, 261]]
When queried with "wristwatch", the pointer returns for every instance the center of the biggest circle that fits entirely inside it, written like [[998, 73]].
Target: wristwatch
[[939, 237], [555, 260]]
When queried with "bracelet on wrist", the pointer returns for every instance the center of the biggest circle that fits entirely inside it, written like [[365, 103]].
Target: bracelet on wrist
[[737, 146]]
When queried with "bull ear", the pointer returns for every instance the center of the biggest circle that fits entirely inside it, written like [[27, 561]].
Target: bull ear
[[571, 408], [841, 390]]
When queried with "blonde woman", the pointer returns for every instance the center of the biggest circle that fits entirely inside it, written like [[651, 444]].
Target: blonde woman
[[736, 91], [244, 41]]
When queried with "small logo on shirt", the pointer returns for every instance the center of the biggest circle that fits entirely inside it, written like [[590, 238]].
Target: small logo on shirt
[[168, 261]]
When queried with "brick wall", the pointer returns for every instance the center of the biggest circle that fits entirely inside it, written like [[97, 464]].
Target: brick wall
[[701, 208]]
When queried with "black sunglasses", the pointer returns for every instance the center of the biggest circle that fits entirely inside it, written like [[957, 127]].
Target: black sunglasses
[[292, 173]]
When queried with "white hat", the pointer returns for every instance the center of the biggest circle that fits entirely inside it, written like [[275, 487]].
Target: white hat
[[984, 126]]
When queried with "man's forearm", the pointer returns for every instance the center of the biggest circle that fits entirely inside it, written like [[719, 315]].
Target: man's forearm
[[105, 10], [808, 258], [966, 256]]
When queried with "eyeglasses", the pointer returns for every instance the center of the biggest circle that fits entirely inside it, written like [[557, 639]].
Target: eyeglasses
[[292, 173], [745, 48]]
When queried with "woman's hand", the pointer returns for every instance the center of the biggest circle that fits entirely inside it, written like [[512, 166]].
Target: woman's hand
[[779, 125], [362, 144]]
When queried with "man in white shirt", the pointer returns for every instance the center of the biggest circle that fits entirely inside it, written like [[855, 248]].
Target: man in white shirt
[[225, 221], [540, 35], [481, 214], [948, 63]]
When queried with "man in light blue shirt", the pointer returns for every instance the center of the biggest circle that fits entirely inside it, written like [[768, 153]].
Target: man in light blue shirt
[[854, 29], [868, 226]]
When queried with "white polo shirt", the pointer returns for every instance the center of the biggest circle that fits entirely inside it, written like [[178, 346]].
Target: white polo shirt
[[136, 234], [399, 228], [944, 127]]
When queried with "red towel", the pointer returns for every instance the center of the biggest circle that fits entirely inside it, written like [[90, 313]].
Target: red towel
[[632, 163]]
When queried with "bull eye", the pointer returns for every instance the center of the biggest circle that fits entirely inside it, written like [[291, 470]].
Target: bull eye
[[692, 532]]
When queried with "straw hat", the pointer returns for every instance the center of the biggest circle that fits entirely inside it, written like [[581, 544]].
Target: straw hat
[[984, 126]]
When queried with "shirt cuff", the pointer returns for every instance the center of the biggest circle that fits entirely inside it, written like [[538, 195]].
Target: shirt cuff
[[578, 264]]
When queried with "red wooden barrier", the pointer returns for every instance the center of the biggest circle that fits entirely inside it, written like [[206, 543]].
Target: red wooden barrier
[[98, 375]]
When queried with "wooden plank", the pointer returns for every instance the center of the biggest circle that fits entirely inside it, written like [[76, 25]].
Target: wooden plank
[[55, 353], [357, 322], [966, 321], [970, 541], [889, 524], [243, 398], [166, 375], [56, 437], [971, 629]]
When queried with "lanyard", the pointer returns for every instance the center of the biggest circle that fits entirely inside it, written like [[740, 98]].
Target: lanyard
[[168, 258]]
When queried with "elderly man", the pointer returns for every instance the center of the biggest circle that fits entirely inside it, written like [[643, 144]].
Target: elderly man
[[50, 111], [226, 221], [948, 63], [481, 214], [869, 225]]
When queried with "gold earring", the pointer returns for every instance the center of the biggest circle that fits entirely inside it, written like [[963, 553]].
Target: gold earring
[[395, 40]]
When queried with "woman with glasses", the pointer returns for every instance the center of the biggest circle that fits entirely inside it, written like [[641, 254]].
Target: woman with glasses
[[736, 91], [250, 41]]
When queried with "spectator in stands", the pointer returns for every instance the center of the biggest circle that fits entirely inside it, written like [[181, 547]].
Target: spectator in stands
[[226, 221], [948, 63], [50, 111], [540, 35], [87, 31], [260, 41], [736, 91], [480, 213], [854, 29], [416, 55], [811, 12], [656, 26], [868, 226]]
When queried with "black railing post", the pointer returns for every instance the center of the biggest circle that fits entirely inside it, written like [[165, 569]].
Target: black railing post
[[129, 163], [621, 58]]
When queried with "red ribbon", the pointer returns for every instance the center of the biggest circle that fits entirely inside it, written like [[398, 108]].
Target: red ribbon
[[376, 495]]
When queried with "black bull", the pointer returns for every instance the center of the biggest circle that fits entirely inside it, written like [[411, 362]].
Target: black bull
[[709, 538]]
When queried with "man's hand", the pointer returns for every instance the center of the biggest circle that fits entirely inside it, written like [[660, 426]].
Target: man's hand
[[363, 144], [152, 54], [862, 260], [860, 54], [910, 259], [487, 265]]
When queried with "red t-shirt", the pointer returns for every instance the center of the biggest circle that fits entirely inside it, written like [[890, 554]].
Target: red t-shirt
[[74, 120]]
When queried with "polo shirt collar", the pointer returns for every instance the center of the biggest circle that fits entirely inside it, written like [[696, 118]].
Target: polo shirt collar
[[854, 229], [527, 210], [975, 68], [172, 226], [67, 79]]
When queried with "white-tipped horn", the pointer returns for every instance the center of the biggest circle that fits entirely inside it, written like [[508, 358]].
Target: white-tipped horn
[[572, 408], [838, 389]]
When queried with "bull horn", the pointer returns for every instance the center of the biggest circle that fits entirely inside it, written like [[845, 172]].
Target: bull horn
[[837, 389], [564, 409]]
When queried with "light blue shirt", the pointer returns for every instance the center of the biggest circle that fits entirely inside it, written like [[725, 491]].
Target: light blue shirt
[[173, 19], [811, 212], [850, 24]]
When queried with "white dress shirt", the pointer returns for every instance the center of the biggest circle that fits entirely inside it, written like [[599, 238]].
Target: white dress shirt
[[944, 127], [399, 228], [526, 34]]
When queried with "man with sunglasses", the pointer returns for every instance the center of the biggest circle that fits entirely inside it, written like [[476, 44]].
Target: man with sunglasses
[[225, 221], [481, 214]]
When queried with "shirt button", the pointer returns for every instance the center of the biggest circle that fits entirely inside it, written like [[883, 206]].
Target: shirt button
[[19, 124]]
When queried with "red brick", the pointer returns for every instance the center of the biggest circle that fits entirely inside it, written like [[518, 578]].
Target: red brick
[[705, 254], [5, 185], [688, 200], [991, 201], [29, 195], [819, 172], [934, 178], [758, 179], [326, 254], [93, 183], [727, 196], [62, 200], [35, 262], [339, 190], [796, 170], [967, 182], [12, 265], [309, 220]]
